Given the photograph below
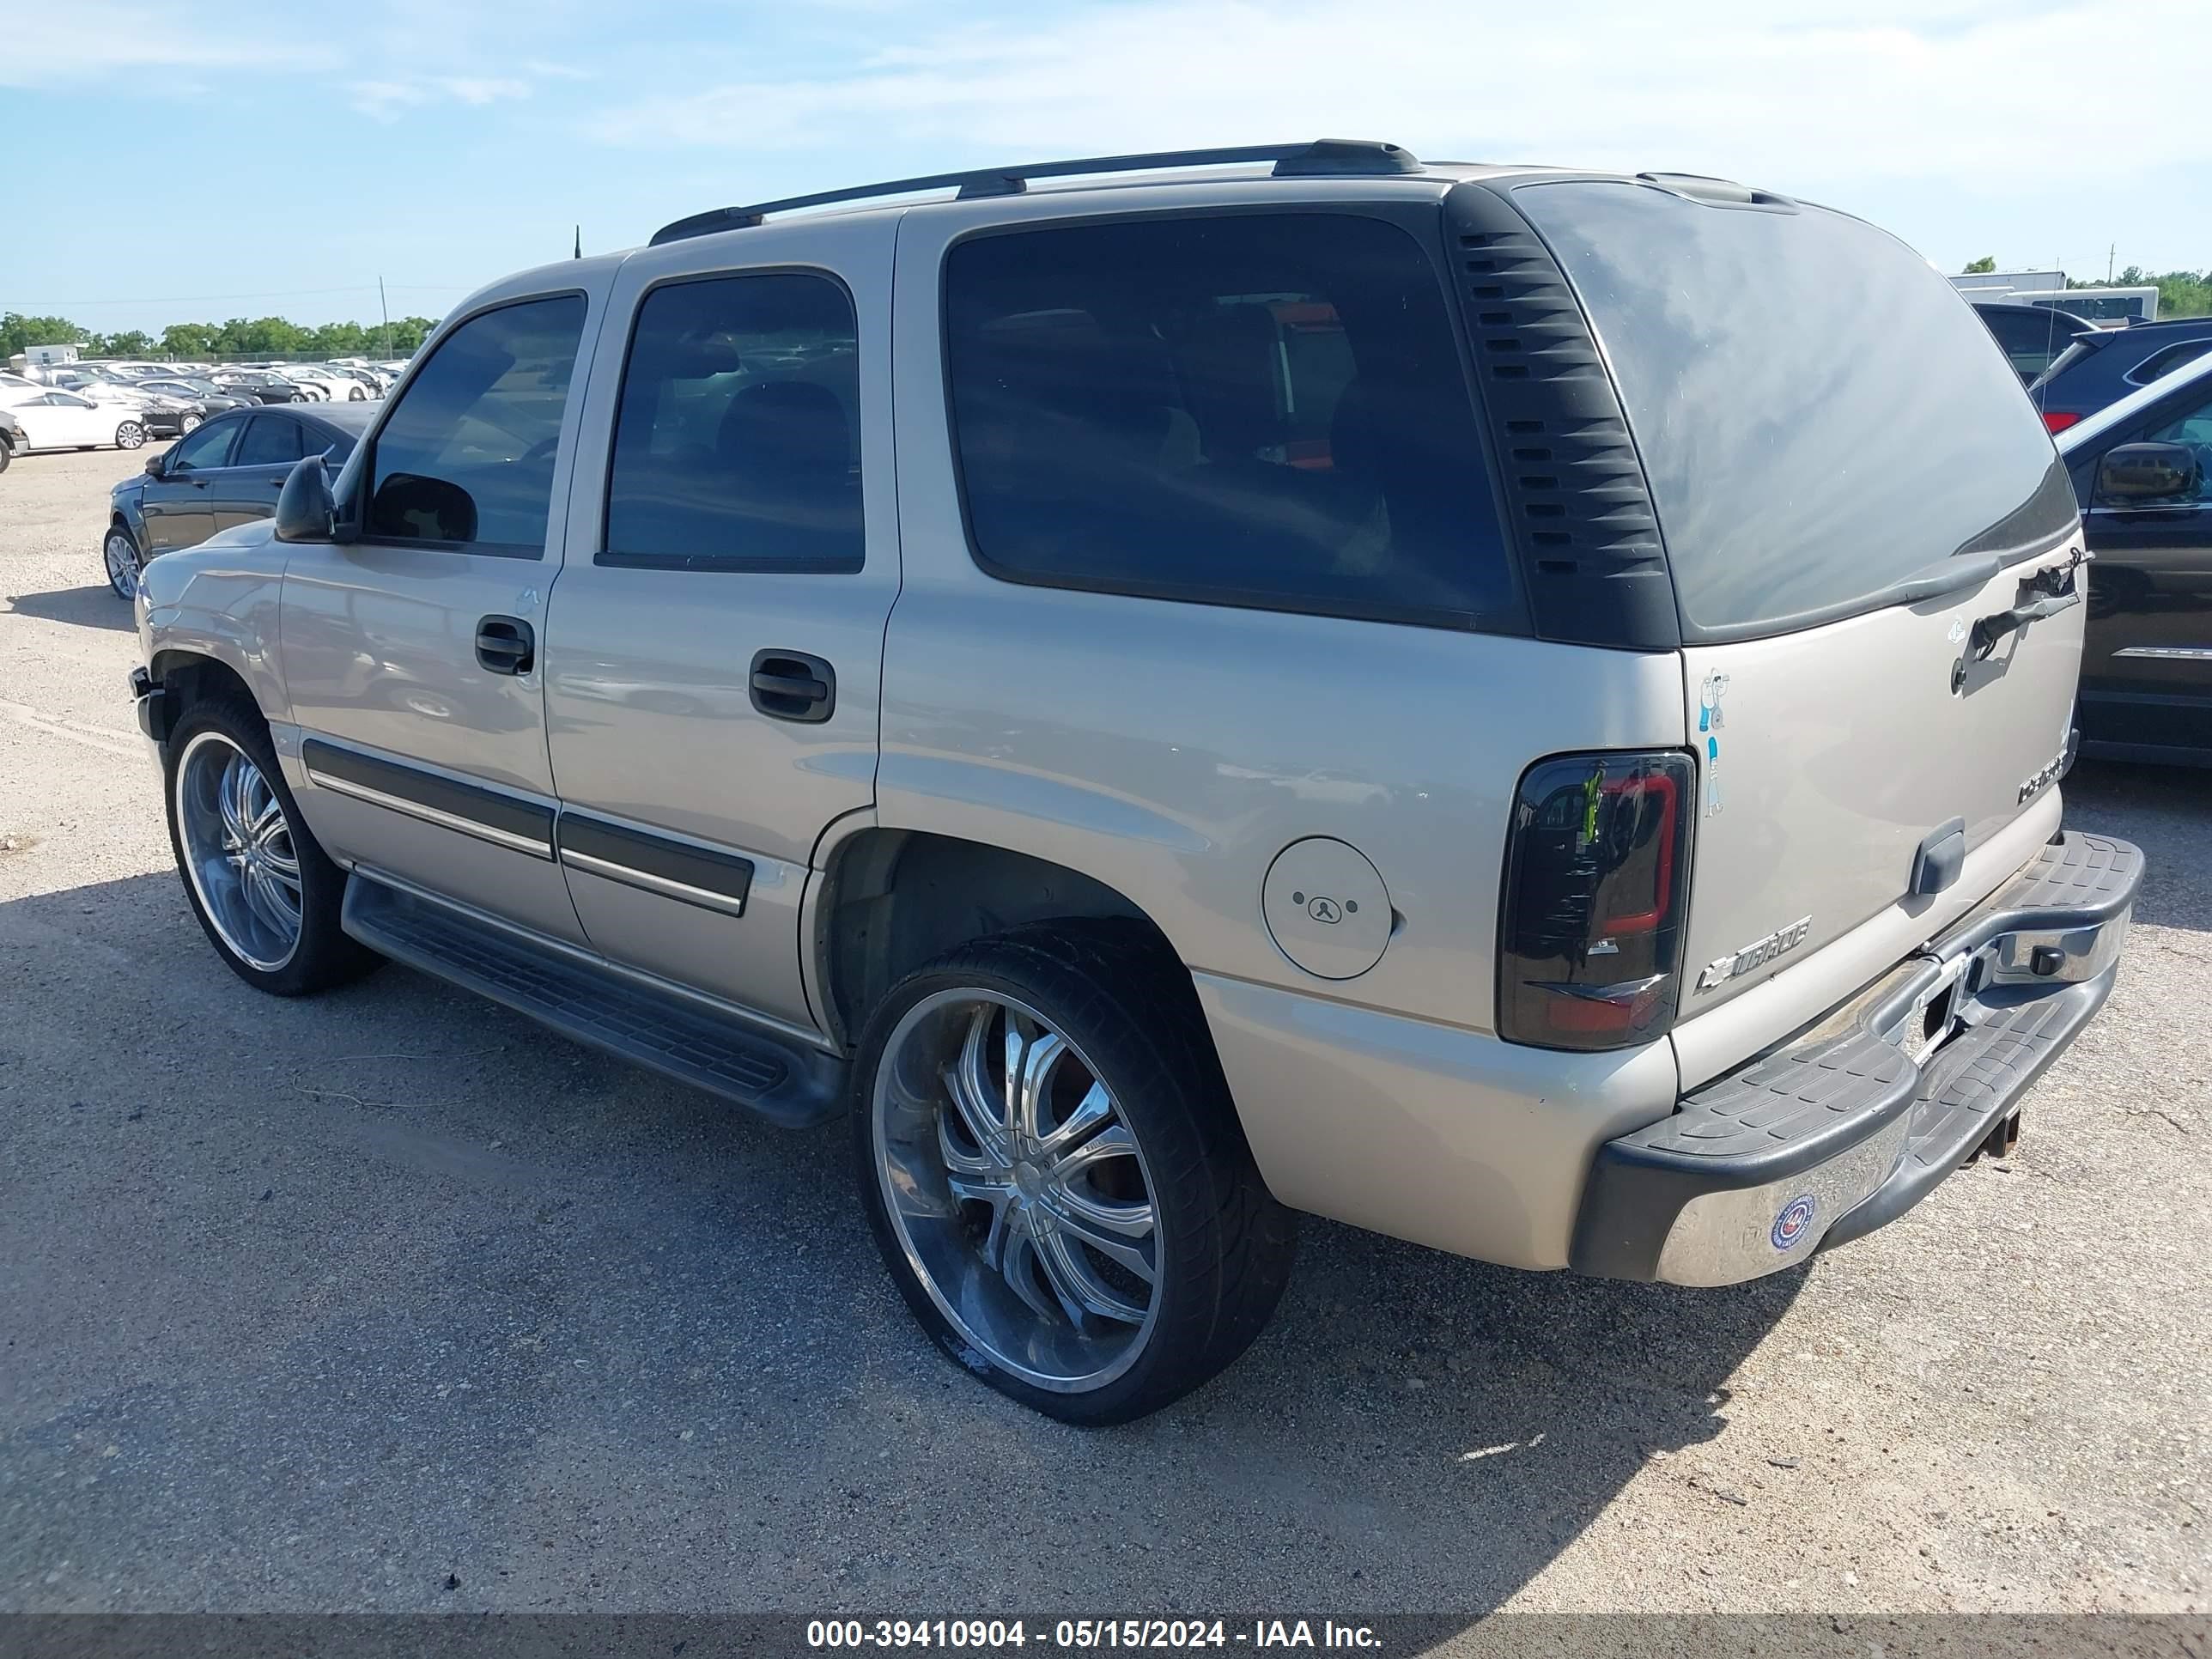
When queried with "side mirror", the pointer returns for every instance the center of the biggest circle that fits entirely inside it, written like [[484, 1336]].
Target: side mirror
[[157, 465], [2140, 473], [305, 511]]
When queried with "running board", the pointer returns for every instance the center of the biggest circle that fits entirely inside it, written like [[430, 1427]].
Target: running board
[[584, 997]]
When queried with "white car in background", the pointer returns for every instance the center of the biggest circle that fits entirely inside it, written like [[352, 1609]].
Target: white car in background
[[324, 383], [53, 419]]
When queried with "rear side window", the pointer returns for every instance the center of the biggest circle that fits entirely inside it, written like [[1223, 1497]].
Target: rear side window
[[2159, 364], [1818, 415], [737, 446], [1262, 409], [270, 440], [2031, 341], [466, 457]]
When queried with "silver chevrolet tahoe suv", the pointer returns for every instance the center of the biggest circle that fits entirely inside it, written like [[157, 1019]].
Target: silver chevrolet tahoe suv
[[1518, 708]]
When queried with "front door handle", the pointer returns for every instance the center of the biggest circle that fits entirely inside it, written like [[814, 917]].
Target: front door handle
[[506, 645], [790, 686]]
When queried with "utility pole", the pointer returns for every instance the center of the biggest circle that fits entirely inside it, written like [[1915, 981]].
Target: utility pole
[[386, 310], [580, 242], [2109, 254]]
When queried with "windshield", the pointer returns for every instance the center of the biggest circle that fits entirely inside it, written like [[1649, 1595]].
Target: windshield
[[1820, 414]]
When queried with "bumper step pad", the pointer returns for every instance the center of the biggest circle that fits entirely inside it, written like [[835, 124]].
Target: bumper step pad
[[1974, 1082], [783, 1080], [1846, 1130]]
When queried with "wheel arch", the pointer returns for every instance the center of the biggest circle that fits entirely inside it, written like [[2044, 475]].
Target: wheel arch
[[893, 899], [191, 677]]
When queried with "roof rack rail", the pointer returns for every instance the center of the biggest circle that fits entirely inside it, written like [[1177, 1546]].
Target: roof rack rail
[[1319, 158]]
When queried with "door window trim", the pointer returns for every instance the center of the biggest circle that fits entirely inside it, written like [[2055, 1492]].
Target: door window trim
[[1419, 222], [356, 508], [735, 565]]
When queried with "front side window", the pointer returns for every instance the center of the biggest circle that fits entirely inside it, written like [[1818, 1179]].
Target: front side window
[[737, 446], [466, 457], [1260, 409], [209, 446], [270, 440], [2192, 429]]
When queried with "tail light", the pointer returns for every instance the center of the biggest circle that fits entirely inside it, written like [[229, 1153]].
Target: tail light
[[2058, 420], [1596, 883]]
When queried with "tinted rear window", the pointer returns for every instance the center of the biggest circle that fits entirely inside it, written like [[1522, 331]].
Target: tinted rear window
[[1820, 414], [1260, 409]]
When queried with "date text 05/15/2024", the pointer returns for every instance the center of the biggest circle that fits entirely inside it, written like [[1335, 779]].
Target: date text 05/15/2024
[[988, 1635]]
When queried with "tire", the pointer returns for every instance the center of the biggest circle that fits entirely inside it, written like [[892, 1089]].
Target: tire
[[130, 435], [196, 765], [119, 552], [6, 454], [1189, 1293], [190, 423]]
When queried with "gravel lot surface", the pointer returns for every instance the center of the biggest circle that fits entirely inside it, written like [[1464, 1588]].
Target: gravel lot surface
[[389, 1300]]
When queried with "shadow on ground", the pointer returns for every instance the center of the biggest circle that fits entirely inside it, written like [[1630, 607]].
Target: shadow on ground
[[2164, 810], [97, 606], [319, 1304]]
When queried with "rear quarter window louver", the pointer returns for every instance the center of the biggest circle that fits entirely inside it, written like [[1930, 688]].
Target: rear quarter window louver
[[1573, 491]]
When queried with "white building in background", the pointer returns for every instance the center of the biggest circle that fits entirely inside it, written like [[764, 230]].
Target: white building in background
[[2113, 307]]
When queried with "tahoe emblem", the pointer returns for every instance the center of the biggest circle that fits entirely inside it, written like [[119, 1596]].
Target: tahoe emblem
[[2048, 774], [1721, 970]]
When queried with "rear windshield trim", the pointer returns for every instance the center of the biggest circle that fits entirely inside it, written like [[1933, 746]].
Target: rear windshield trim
[[1735, 633]]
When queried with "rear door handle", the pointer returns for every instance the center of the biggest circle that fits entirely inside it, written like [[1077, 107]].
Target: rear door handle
[[506, 645], [791, 685]]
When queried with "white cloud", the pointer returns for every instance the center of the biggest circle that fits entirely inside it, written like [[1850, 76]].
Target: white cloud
[[385, 100], [481, 89], [1963, 90], [51, 45]]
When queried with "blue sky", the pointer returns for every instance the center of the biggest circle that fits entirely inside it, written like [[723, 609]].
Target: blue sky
[[259, 157]]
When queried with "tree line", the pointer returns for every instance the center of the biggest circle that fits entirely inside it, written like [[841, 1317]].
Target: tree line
[[263, 336], [2180, 293]]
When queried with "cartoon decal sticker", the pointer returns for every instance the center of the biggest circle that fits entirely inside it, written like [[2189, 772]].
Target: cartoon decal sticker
[[1711, 718]]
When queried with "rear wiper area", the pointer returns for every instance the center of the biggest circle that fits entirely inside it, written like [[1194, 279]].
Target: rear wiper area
[[1944, 576], [2046, 593]]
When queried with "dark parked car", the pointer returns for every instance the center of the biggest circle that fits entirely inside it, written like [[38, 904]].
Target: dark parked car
[[226, 472], [262, 388], [193, 389], [2107, 364], [2031, 337], [2142, 472]]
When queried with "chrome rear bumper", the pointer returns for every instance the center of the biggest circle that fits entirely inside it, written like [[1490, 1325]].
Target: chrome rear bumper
[[1857, 1119]]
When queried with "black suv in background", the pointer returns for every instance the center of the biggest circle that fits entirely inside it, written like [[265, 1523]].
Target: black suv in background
[[2031, 337], [2143, 471], [2106, 364]]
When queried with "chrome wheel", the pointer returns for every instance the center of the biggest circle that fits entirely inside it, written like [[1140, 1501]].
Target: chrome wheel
[[129, 436], [238, 850], [120, 555], [1018, 1195], [189, 424]]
